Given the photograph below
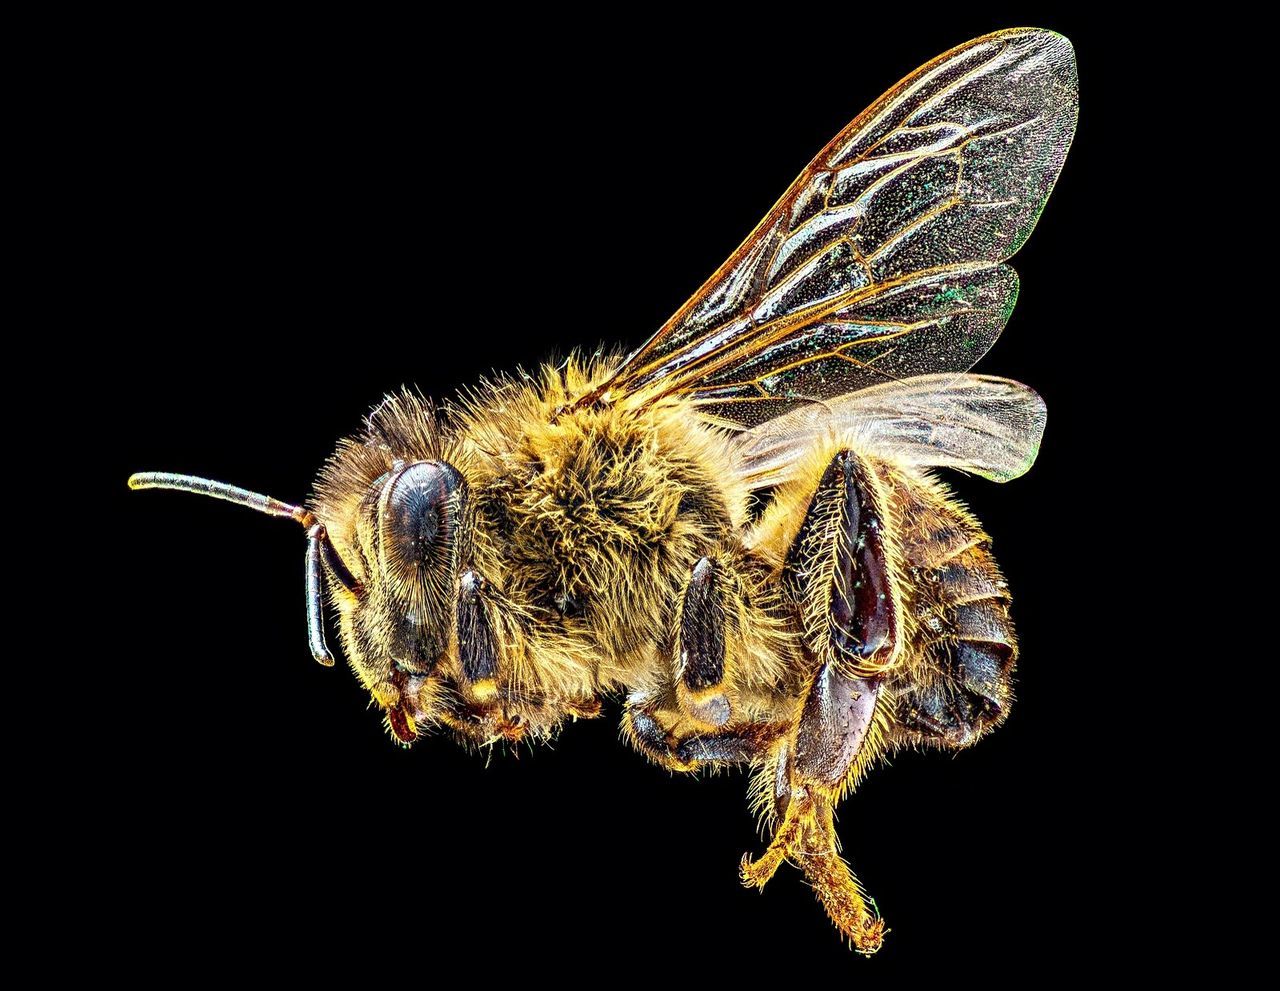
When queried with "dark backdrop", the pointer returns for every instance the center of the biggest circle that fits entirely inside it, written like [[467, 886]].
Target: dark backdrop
[[282, 226]]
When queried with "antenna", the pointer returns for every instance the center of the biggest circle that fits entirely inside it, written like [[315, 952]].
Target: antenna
[[319, 548]]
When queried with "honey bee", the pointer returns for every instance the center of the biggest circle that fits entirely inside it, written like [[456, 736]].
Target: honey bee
[[736, 528]]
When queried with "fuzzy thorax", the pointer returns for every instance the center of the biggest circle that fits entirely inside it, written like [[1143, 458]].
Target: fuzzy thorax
[[584, 523]]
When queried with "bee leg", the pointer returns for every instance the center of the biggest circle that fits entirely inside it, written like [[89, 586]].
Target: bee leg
[[700, 647], [741, 745], [738, 745], [840, 572], [835, 737], [643, 731], [477, 642]]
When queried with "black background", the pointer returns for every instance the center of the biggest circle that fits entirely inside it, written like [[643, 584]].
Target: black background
[[283, 224]]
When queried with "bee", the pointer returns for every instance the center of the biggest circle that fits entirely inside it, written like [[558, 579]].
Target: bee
[[737, 528]]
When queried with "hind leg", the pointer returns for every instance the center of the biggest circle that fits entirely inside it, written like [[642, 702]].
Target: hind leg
[[836, 736], [841, 573]]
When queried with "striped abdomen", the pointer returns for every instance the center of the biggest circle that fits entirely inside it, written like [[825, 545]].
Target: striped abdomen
[[956, 682]]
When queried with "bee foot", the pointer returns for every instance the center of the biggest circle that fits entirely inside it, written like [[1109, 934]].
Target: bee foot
[[757, 873], [868, 938]]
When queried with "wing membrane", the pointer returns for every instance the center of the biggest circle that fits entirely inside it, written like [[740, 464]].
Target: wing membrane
[[979, 423], [883, 259]]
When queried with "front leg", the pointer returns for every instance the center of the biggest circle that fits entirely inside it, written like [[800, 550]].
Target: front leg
[[841, 572]]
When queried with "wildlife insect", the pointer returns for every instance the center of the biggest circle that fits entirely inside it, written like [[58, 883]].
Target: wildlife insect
[[735, 528]]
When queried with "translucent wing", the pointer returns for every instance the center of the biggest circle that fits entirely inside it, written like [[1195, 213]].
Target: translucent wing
[[989, 426], [883, 258]]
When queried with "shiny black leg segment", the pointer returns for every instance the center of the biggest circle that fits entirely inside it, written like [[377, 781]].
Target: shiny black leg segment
[[841, 543], [647, 734], [336, 566], [833, 725], [702, 647], [477, 645], [728, 747]]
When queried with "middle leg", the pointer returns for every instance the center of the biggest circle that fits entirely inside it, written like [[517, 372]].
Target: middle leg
[[679, 750], [718, 702]]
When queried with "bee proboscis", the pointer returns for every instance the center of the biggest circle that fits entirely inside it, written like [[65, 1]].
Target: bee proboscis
[[735, 528]]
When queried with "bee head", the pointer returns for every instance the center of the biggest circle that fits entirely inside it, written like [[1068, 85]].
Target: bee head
[[396, 583]]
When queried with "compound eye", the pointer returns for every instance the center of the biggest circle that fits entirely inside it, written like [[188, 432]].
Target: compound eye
[[419, 520]]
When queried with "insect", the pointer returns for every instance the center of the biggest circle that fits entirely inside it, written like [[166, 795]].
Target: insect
[[735, 529]]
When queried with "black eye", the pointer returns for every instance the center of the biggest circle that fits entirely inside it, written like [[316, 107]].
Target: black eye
[[420, 514]]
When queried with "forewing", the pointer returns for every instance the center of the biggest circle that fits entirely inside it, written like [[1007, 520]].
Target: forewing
[[883, 258], [978, 423]]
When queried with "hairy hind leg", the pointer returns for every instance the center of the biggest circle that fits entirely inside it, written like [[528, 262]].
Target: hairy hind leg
[[836, 737], [841, 572]]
